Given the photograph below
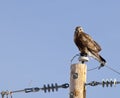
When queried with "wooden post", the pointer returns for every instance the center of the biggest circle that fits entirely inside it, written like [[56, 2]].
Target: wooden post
[[78, 80]]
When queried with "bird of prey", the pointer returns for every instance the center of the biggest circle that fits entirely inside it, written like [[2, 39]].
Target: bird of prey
[[87, 46]]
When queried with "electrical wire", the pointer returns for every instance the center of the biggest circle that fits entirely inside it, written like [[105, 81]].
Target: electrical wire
[[112, 69], [93, 68], [74, 57], [78, 54]]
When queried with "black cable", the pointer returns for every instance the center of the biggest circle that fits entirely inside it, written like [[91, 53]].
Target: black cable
[[74, 57], [93, 68]]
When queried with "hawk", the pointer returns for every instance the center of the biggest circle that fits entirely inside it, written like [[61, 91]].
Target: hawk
[[87, 46]]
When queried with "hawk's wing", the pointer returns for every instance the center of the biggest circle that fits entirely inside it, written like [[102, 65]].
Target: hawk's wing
[[88, 42]]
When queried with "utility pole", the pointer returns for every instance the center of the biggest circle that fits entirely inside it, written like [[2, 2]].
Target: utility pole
[[78, 76]]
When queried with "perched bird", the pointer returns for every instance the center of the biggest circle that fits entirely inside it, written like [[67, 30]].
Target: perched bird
[[87, 46]]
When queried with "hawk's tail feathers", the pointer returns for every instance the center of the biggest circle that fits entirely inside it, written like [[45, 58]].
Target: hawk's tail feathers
[[103, 62], [98, 58]]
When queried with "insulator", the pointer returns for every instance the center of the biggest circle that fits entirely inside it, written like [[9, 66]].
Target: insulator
[[56, 87], [44, 88], [111, 82], [52, 87], [49, 88], [3, 93], [107, 82], [115, 82], [103, 83]]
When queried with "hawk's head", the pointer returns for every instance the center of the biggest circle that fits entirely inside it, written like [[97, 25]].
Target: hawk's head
[[79, 29]]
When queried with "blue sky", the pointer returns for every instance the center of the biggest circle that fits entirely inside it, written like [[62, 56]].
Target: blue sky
[[36, 43]]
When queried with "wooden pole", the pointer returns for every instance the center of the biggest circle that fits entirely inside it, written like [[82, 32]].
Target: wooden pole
[[78, 80]]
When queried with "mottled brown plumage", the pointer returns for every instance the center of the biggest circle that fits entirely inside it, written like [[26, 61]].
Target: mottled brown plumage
[[87, 45]]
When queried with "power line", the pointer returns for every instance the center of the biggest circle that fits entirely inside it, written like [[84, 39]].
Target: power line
[[78, 54], [113, 69], [93, 68], [45, 88], [104, 83]]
